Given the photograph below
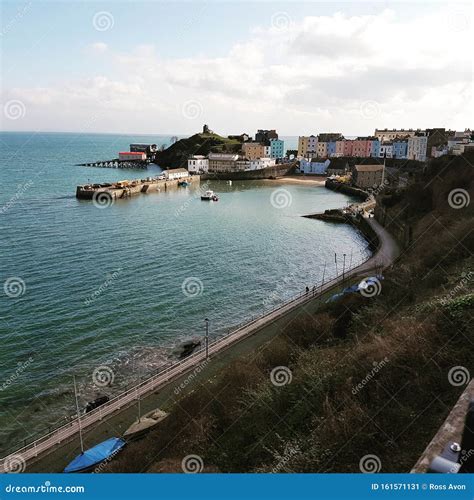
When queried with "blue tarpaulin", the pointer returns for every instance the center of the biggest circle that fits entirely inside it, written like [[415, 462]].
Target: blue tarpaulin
[[367, 282], [95, 455]]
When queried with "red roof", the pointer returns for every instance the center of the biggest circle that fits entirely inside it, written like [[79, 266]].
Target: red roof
[[130, 153]]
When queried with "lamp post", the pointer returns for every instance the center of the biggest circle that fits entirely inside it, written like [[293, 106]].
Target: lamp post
[[343, 266], [207, 338]]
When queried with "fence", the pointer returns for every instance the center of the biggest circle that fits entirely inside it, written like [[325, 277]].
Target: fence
[[176, 369]]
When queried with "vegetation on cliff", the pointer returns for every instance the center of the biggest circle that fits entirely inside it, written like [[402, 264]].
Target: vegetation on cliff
[[176, 155], [369, 376]]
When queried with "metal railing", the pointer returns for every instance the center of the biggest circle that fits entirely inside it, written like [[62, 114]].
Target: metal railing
[[178, 368]]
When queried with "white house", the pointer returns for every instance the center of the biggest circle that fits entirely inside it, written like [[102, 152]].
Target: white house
[[417, 146], [313, 166], [262, 163], [175, 173], [198, 164], [386, 150]]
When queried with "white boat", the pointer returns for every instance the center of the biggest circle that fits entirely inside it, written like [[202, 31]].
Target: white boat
[[209, 196], [144, 424]]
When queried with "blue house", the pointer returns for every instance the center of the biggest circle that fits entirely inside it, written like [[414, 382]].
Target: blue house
[[399, 149], [277, 148], [375, 148], [331, 148]]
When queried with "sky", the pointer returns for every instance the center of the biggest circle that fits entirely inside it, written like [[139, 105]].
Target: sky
[[168, 67]]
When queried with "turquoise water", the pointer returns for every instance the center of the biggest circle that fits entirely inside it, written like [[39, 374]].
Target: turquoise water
[[122, 286]]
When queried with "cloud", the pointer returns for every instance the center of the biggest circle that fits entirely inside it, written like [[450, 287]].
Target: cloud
[[300, 76], [98, 47]]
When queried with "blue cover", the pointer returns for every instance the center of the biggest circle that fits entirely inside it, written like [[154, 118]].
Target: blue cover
[[95, 455]]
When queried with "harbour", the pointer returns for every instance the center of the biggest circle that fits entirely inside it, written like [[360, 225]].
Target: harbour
[[167, 258]]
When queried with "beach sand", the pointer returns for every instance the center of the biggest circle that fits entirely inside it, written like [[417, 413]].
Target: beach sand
[[298, 179]]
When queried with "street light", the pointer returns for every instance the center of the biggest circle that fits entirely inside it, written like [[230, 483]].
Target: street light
[[207, 338], [343, 266]]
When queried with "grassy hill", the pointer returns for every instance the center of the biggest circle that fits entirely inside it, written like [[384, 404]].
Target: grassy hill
[[177, 154], [369, 375]]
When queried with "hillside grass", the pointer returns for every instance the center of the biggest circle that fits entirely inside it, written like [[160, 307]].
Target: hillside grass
[[178, 153]]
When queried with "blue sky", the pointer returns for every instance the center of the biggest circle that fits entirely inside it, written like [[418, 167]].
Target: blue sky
[[168, 67]]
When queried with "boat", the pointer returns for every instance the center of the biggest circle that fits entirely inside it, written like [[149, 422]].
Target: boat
[[209, 196], [183, 183], [96, 455], [144, 424]]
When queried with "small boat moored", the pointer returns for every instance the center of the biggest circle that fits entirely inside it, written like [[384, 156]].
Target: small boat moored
[[209, 196], [144, 424], [95, 455], [183, 183]]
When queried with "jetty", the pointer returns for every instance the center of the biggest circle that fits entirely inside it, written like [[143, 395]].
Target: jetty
[[109, 192], [387, 251], [116, 163]]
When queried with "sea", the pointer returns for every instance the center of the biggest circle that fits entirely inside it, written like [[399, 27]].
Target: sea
[[118, 288]]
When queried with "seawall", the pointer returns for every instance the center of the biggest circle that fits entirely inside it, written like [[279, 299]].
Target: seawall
[[264, 173], [346, 189], [121, 190]]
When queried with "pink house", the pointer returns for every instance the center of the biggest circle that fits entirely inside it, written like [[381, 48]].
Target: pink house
[[347, 145], [362, 147], [339, 148]]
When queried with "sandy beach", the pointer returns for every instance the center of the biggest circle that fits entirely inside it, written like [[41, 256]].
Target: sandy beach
[[297, 179]]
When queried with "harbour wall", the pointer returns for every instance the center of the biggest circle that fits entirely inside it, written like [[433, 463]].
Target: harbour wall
[[133, 188], [346, 189], [264, 173]]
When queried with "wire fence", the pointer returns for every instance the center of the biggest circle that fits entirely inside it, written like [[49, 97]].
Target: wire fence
[[32, 445]]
